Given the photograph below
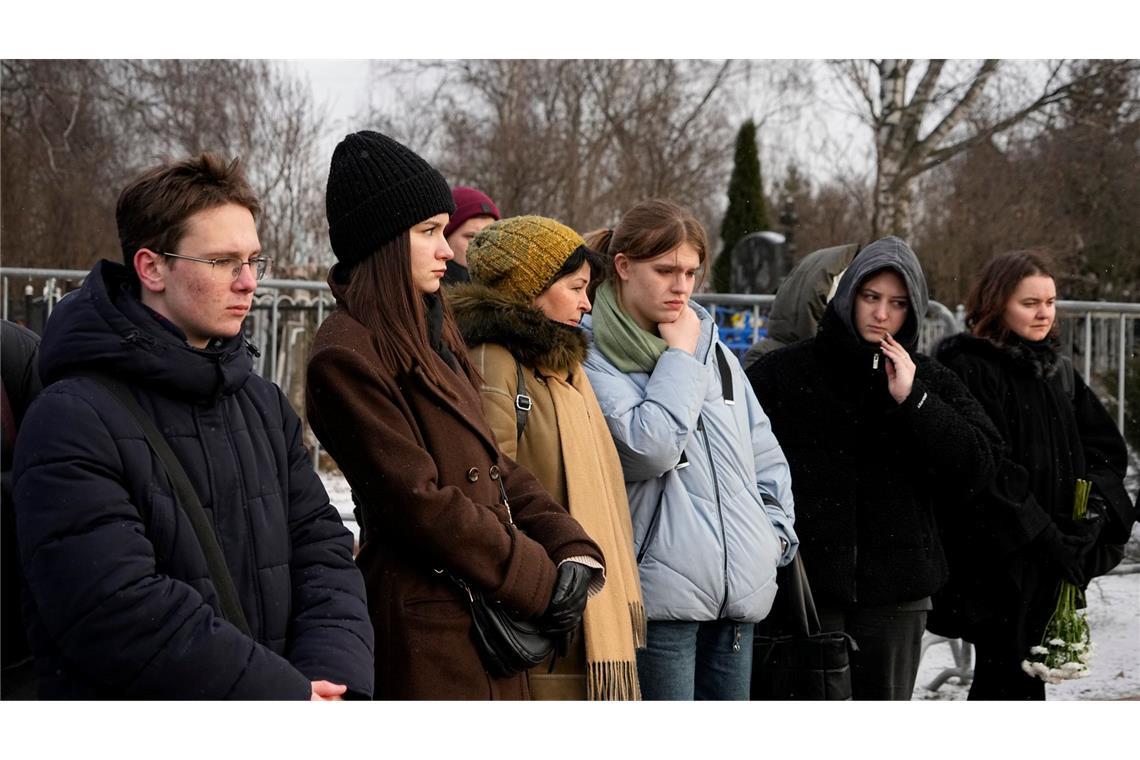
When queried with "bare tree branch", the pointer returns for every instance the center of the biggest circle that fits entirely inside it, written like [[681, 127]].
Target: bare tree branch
[[962, 108]]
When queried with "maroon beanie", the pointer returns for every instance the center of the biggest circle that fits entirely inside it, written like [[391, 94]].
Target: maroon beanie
[[469, 202]]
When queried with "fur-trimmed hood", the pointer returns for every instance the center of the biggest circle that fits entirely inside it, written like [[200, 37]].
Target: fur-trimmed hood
[[485, 315], [1039, 358]]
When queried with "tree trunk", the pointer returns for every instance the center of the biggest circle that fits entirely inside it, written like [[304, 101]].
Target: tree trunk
[[891, 205]]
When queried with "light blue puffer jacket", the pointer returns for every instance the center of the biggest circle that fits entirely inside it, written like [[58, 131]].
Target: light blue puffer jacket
[[706, 533]]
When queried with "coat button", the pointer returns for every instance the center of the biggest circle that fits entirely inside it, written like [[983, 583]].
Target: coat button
[[494, 472], [473, 474]]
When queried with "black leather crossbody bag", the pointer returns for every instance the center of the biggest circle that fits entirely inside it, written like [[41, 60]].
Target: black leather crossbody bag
[[506, 643]]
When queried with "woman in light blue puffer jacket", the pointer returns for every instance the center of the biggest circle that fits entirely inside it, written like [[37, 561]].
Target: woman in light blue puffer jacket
[[709, 488]]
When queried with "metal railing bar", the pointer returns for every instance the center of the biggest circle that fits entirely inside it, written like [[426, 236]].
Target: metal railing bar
[[1120, 376], [1088, 345]]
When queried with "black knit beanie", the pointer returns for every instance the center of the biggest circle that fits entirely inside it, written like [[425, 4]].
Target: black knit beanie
[[377, 189]]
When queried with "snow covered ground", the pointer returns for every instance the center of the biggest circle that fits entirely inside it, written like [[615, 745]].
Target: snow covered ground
[[1114, 616], [341, 497]]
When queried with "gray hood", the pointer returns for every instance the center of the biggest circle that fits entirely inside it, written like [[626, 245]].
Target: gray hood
[[886, 253]]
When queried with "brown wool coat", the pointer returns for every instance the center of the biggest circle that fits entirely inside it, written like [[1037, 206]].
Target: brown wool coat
[[424, 468]]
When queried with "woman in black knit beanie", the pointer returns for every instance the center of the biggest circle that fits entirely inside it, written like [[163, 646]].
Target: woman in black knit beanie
[[395, 401]]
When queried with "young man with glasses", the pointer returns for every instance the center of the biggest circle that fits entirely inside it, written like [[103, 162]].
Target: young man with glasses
[[123, 602]]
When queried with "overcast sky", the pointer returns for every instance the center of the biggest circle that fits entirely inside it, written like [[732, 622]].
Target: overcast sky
[[343, 86]]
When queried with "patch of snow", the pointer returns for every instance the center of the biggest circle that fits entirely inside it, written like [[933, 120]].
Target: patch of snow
[[341, 497], [1114, 673]]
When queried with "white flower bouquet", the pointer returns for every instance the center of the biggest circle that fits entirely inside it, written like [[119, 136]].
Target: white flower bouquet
[[1066, 647]]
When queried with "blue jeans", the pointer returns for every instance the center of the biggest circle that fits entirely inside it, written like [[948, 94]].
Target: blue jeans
[[686, 661]]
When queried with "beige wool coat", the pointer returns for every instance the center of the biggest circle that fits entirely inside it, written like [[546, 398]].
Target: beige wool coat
[[503, 338]]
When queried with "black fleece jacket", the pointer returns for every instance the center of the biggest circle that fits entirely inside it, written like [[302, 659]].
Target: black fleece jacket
[[1055, 430], [868, 473]]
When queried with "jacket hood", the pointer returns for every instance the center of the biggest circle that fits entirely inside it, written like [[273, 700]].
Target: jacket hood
[[485, 315], [802, 296], [886, 253], [104, 327], [1040, 358]]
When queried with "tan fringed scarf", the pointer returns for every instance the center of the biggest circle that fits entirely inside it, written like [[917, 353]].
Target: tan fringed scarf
[[614, 623]]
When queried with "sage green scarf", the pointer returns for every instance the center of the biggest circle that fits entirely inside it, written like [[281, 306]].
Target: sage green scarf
[[619, 337]]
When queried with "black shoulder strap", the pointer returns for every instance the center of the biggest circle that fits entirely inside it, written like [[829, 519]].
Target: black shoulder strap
[[725, 373], [522, 401], [725, 376], [807, 600], [186, 497]]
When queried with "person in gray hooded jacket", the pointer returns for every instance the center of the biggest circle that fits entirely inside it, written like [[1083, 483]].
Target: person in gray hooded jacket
[[878, 437], [709, 488]]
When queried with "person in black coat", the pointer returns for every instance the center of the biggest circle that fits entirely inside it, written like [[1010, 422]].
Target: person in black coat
[[878, 437], [1010, 553], [21, 384], [120, 601]]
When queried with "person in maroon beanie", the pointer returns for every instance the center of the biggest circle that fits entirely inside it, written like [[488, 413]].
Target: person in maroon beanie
[[474, 210]]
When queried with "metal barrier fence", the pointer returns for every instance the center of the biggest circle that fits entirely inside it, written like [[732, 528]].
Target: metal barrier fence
[[1100, 336]]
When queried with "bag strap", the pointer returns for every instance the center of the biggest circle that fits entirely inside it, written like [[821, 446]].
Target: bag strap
[[725, 376], [803, 604], [522, 402], [187, 499], [725, 373]]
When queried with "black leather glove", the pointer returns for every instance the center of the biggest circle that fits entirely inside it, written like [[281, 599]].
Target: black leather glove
[[568, 601], [1097, 505], [1064, 552], [1086, 528]]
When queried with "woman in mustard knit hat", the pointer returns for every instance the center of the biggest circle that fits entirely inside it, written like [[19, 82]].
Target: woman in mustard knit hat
[[520, 318]]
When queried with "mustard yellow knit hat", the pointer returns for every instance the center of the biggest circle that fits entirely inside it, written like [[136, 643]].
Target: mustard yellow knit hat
[[519, 255]]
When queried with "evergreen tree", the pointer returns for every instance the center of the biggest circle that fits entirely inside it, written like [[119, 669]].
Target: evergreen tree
[[747, 211]]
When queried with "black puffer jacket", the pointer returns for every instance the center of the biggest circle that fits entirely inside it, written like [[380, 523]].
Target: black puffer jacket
[[868, 473], [1055, 431], [121, 606], [21, 383]]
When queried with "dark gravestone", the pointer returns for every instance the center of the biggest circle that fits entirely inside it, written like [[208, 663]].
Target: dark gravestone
[[759, 263]]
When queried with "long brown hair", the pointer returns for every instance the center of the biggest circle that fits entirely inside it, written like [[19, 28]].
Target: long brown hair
[[996, 284], [648, 230], [381, 295]]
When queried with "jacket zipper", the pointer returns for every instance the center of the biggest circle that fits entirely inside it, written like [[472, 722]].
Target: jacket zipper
[[651, 531], [855, 549], [719, 512]]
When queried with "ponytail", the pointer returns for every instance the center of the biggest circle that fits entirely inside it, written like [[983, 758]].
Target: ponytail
[[599, 240], [602, 266]]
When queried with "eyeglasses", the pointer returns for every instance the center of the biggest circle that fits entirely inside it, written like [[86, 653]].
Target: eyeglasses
[[231, 265]]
